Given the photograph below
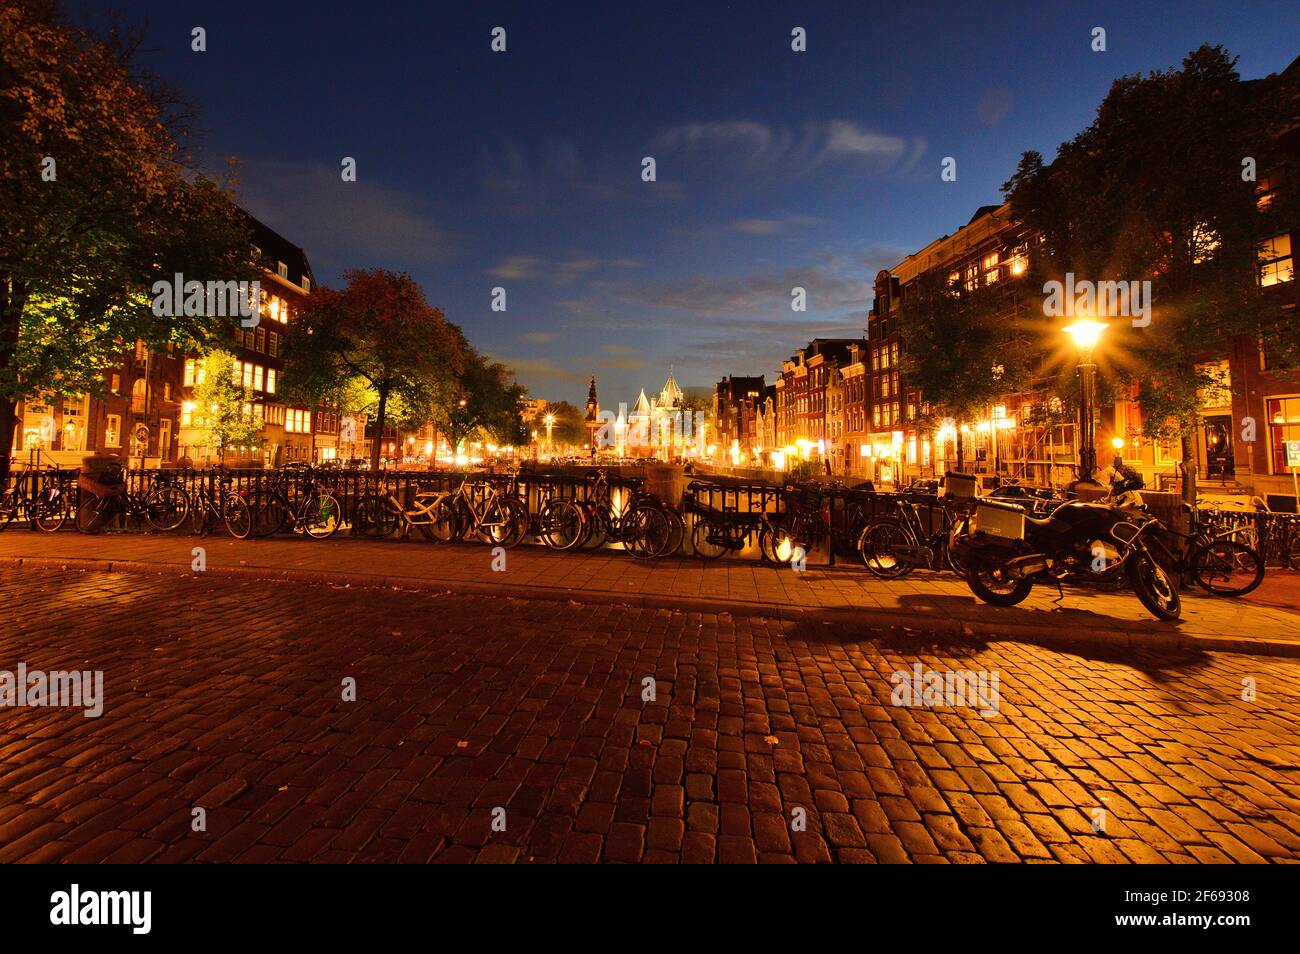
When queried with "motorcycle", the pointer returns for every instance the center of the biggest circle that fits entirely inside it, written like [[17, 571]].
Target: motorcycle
[[1006, 551]]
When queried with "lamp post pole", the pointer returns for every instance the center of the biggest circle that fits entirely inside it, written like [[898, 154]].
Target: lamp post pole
[[1086, 334]]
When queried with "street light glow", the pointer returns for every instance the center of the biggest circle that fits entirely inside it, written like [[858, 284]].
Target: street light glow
[[1086, 333]]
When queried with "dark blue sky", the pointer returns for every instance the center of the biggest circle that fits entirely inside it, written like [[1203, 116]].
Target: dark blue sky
[[523, 169]]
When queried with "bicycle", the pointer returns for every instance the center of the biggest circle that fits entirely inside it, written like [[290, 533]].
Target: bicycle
[[646, 527], [316, 512], [379, 513], [220, 505], [163, 506], [1211, 558], [894, 545], [46, 509], [496, 517]]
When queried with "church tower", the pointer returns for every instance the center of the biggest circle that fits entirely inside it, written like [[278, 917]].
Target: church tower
[[592, 419]]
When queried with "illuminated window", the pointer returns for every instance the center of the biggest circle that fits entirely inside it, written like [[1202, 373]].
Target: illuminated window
[[115, 383], [1276, 264], [247, 377], [112, 430], [1283, 425], [989, 261], [270, 380], [139, 391], [257, 378], [191, 373]]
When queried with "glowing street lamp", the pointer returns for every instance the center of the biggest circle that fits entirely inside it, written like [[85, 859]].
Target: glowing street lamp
[[550, 423], [1086, 333]]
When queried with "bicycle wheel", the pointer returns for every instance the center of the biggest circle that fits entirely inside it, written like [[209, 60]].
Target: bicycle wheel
[[676, 531], [374, 517], [1227, 568], [444, 521], [270, 512], [321, 516], [774, 544], [560, 524], [94, 513], [237, 516], [165, 508], [705, 548], [505, 524], [877, 549], [9, 506], [649, 534], [49, 512], [595, 527]]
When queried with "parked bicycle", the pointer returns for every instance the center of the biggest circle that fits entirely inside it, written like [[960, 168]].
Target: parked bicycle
[[894, 544], [645, 526], [300, 505], [479, 508], [107, 498], [378, 513], [38, 495], [215, 502]]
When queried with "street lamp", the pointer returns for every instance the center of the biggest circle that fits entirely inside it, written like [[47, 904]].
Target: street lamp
[[550, 423], [1085, 334]]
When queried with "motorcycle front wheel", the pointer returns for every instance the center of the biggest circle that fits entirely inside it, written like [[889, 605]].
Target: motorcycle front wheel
[[985, 579], [1153, 585]]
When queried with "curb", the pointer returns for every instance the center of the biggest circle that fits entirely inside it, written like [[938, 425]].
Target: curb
[[1121, 635]]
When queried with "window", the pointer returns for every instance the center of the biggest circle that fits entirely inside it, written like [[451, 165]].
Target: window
[[167, 390], [893, 353], [139, 391], [115, 384], [282, 269], [1276, 264], [257, 378], [247, 377], [273, 344], [989, 261], [141, 352], [194, 372], [306, 283], [1283, 425], [113, 430], [261, 339], [1266, 190]]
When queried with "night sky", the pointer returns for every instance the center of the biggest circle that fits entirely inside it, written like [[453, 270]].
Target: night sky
[[523, 169]]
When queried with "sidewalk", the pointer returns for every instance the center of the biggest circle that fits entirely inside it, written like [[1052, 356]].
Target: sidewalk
[[1266, 623]]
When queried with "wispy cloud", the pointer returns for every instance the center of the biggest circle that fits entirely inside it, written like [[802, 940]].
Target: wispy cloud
[[754, 149], [344, 224]]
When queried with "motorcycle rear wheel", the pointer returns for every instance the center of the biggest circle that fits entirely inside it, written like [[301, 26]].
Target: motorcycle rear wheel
[[984, 580]]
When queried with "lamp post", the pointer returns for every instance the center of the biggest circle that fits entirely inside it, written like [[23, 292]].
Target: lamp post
[[550, 423], [1085, 334]]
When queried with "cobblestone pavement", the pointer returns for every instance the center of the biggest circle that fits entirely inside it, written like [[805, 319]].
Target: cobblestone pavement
[[1268, 620], [226, 695]]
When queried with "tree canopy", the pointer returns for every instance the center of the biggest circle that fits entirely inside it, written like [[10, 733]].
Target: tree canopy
[[98, 205]]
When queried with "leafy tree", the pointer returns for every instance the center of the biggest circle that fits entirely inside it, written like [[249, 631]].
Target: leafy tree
[[569, 429], [223, 407], [1154, 190], [963, 350], [380, 331], [97, 205], [483, 397]]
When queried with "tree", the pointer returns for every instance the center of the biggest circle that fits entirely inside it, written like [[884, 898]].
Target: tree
[[569, 429], [1153, 190], [483, 397], [97, 205], [963, 350], [380, 330], [223, 408]]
